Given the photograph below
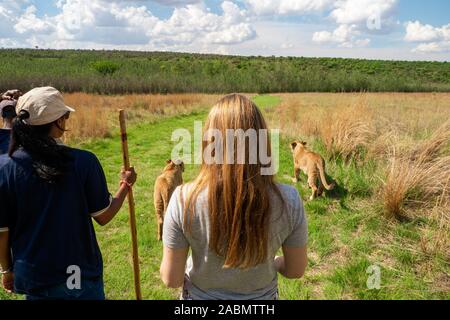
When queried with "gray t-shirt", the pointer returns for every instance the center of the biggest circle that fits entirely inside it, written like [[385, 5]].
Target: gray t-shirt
[[206, 279]]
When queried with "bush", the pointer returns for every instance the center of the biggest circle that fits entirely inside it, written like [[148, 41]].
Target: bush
[[420, 177], [105, 68]]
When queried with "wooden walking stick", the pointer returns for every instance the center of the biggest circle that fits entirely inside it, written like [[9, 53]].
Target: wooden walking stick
[[126, 162]]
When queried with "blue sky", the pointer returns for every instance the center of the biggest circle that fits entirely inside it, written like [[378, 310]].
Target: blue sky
[[384, 29], [434, 12]]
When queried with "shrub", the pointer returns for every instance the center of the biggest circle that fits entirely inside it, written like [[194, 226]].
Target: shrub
[[415, 184], [105, 68], [420, 177]]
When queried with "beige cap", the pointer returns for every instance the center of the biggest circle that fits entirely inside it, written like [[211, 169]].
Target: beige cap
[[45, 105]]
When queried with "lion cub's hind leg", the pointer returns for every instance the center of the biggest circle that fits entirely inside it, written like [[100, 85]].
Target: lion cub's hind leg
[[159, 208], [161, 200], [312, 180], [297, 172]]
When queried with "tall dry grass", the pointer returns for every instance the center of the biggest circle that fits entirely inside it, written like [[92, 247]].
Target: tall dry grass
[[419, 176], [412, 186], [346, 131], [344, 126], [96, 115], [407, 135]]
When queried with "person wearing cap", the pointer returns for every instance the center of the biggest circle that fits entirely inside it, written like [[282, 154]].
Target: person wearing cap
[[8, 112], [49, 195], [11, 95]]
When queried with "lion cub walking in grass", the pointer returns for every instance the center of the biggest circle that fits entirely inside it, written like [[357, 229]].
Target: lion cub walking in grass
[[313, 165], [165, 185]]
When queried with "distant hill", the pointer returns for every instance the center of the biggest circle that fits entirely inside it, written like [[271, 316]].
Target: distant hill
[[116, 72]]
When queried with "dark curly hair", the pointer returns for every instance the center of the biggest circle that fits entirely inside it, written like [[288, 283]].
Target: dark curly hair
[[50, 160]]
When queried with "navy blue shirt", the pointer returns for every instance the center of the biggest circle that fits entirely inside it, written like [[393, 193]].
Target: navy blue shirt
[[50, 225], [4, 140]]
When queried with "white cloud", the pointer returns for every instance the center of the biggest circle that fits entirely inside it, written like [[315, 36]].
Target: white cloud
[[28, 22], [10, 43], [344, 36], [9, 12], [360, 11], [14, 5], [348, 12], [6, 24], [127, 23], [355, 18], [197, 23], [287, 7], [418, 32], [287, 45], [433, 47], [434, 39], [177, 2]]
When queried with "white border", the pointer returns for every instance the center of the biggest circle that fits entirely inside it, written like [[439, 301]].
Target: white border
[[99, 213]]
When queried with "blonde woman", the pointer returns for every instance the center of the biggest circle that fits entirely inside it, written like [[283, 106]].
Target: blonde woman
[[235, 220]]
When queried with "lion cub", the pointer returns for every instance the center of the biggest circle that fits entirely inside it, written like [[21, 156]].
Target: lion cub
[[313, 165], [165, 185]]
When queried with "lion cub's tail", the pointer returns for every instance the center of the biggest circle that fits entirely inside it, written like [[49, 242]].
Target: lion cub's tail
[[321, 167]]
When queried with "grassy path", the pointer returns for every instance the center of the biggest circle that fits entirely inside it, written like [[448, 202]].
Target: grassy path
[[150, 146]]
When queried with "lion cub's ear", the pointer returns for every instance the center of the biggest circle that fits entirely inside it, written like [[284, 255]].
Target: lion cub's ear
[[293, 145]]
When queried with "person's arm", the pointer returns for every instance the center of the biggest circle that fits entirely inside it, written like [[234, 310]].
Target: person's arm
[[173, 267], [7, 277], [176, 245], [294, 262], [128, 179], [5, 262]]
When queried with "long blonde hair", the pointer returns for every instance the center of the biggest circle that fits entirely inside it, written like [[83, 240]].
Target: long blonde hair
[[238, 194]]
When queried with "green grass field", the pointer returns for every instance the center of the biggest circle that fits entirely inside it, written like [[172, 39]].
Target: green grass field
[[119, 72], [345, 228]]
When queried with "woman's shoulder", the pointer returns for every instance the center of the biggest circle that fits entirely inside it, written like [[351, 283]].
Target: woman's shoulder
[[183, 192], [185, 189], [292, 203], [82, 155], [289, 193]]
